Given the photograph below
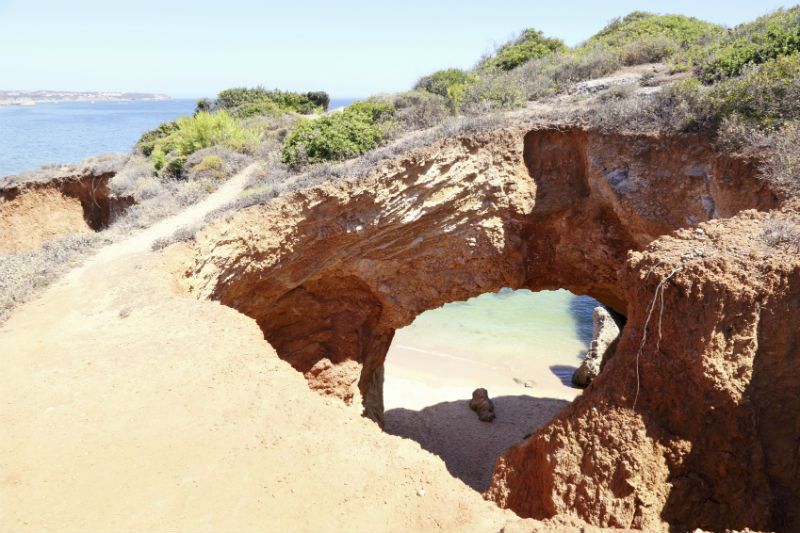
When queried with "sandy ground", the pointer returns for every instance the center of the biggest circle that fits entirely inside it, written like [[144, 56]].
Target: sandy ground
[[426, 398], [127, 405]]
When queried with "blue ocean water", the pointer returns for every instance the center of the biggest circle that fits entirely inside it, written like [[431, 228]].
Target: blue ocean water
[[31, 136]]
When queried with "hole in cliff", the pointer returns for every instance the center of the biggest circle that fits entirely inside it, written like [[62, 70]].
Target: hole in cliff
[[521, 346], [39, 212]]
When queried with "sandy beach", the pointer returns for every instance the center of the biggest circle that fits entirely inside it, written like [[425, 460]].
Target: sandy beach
[[426, 397]]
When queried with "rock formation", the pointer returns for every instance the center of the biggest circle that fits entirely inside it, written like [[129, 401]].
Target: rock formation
[[684, 429], [605, 333], [482, 405], [693, 422], [55, 203]]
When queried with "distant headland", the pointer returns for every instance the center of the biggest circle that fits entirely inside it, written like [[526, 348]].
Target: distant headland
[[26, 98]]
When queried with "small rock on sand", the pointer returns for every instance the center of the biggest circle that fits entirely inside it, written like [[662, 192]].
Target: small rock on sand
[[482, 405]]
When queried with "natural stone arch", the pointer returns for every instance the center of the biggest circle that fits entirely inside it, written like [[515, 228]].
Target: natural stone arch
[[330, 272], [339, 267]]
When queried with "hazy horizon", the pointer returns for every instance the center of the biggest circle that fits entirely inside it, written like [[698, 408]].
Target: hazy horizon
[[354, 50]]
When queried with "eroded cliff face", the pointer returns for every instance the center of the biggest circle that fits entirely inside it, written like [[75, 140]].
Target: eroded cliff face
[[696, 425], [329, 273], [32, 213]]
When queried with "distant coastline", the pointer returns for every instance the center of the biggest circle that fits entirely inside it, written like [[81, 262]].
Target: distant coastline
[[29, 98]]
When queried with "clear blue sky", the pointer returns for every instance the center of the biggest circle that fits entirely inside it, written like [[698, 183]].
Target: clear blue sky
[[350, 48]]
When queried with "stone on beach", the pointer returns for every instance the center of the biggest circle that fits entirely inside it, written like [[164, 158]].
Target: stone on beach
[[482, 405]]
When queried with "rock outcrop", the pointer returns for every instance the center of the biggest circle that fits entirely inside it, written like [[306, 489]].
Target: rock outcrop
[[605, 334], [693, 422], [330, 272]]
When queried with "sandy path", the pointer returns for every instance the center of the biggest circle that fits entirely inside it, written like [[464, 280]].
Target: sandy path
[[143, 240]]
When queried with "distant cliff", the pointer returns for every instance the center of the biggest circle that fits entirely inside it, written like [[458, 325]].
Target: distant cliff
[[47, 97]]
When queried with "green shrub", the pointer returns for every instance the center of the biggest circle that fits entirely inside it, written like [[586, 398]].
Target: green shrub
[[212, 165], [319, 98], [168, 152], [764, 95], [338, 136], [204, 104], [493, 92], [556, 72], [532, 44], [206, 129], [148, 140], [441, 81], [649, 49], [256, 109], [766, 38], [781, 165], [641, 26], [210, 162], [284, 101]]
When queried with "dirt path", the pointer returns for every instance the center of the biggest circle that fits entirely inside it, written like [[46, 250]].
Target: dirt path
[[143, 240]]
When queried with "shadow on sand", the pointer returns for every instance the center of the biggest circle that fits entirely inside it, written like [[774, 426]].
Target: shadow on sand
[[468, 446], [564, 374]]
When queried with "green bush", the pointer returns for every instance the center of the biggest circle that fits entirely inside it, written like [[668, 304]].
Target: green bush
[[649, 49], [210, 162], [204, 104], [319, 98], [763, 98], [442, 80], [556, 72], [285, 101], [766, 38], [493, 92], [338, 136], [640, 26], [168, 151], [148, 140], [256, 109], [532, 44], [764, 95]]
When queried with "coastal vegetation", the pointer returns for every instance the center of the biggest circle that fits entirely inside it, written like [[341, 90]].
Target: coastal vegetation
[[338, 136], [738, 86]]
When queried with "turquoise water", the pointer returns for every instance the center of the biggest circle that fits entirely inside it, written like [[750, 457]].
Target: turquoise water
[[31, 136], [506, 330]]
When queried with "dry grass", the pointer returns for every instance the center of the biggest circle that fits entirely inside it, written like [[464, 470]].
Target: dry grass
[[782, 232], [24, 275]]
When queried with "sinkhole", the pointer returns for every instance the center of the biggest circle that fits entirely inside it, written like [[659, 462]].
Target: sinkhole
[[521, 346]]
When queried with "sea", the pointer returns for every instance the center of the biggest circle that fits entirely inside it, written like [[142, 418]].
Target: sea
[[514, 333], [503, 329], [42, 134]]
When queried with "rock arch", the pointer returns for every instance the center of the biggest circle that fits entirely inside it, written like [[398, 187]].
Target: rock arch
[[666, 437], [331, 272]]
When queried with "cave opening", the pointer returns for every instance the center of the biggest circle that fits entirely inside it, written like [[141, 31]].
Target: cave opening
[[522, 346]]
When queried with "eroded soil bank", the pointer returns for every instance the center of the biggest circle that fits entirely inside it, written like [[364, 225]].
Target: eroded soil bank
[[75, 201], [329, 273]]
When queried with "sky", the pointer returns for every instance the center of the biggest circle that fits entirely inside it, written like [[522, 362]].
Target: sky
[[349, 48]]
